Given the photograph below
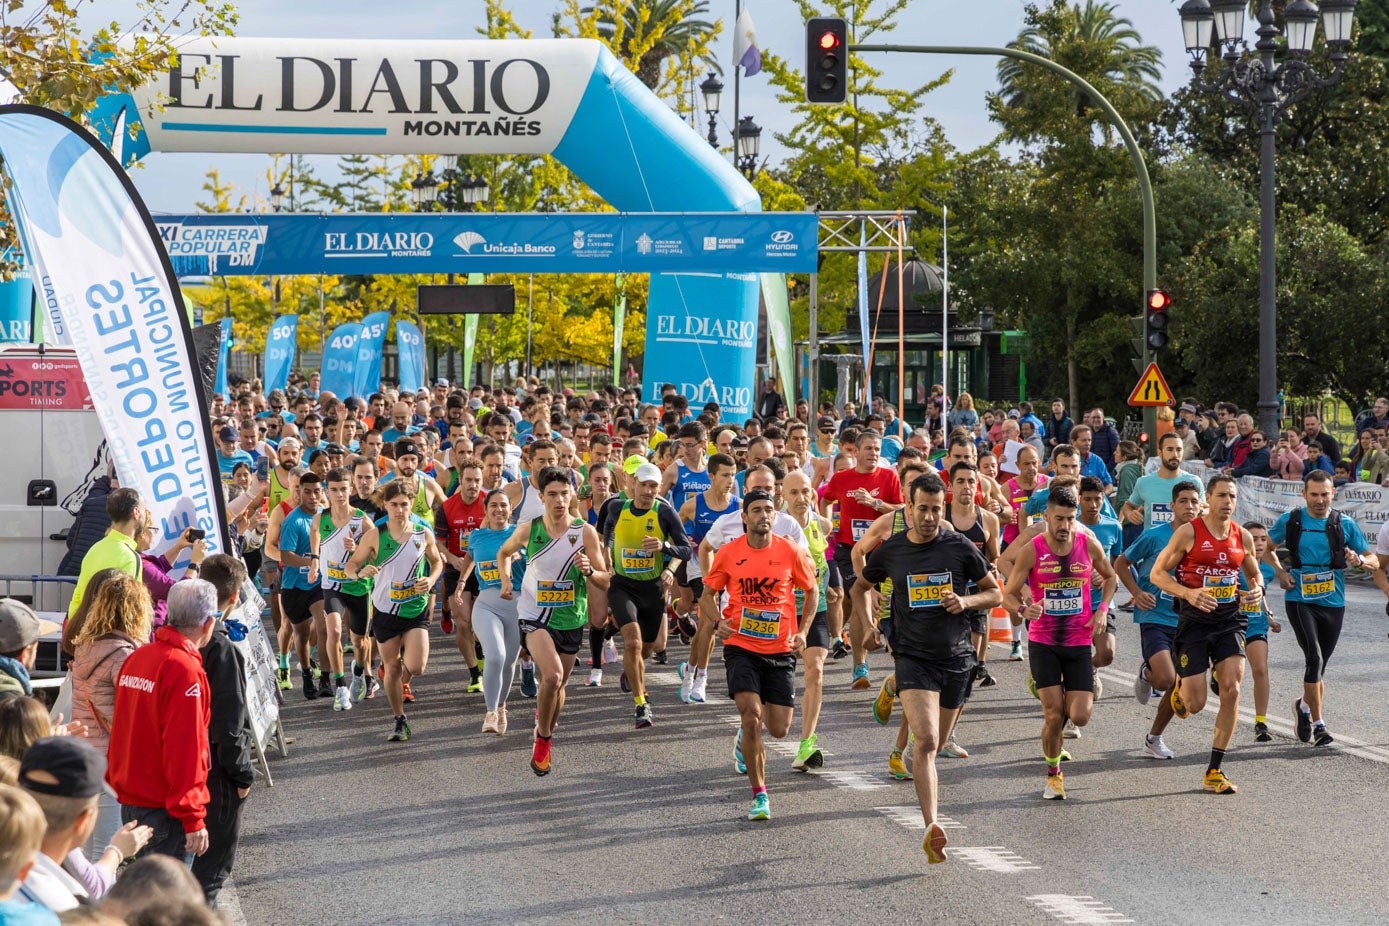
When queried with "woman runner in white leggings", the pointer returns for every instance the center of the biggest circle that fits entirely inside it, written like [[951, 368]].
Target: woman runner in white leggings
[[494, 617]]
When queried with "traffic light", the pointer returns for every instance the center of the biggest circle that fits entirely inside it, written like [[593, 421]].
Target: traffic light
[[826, 60], [1156, 319]]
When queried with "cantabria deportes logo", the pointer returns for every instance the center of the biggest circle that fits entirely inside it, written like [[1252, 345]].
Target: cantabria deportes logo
[[466, 241]]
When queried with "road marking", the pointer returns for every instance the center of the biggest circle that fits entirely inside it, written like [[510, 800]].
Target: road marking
[[1081, 909], [909, 816], [992, 858], [854, 781]]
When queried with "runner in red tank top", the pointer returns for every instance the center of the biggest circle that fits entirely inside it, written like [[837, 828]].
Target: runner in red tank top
[[1207, 556]]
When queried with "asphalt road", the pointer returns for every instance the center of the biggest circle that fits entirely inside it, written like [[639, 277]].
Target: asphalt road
[[648, 826]]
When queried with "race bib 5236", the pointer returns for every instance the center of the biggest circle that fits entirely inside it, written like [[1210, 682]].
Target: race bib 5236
[[763, 625]]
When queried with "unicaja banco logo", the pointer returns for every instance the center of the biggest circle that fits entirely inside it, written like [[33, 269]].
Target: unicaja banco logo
[[467, 240]]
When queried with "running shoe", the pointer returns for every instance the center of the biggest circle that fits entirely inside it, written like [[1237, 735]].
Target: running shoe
[[1142, 689], [887, 696], [1070, 731], [1215, 686], [809, 755], [475, 684], [529, 689], [934, 844], [373, 686], [1178, 705], [697, 691], [761, 808], [406, 693], [660, 658], [310, 686], [401, 732], [897, 767], [282, 676], [540, 757], [623, 683], [1156, 748], [644, 718], [490, 723], [860, 677], [1099, 687], [1261, 734], [686, 673], [325, 686], [1065, 756], [839, 650], [501, 720], [1320, 736], [446, 623], [1302, 720], [1015, 654], [952, 750], [1056, 788], [342, 699], [595, 678], [359, 686], [1032, 686], [985, 680], [1216, 783], [610, 650], [739, 765]]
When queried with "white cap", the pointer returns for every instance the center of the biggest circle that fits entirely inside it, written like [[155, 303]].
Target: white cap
[[647, 472]]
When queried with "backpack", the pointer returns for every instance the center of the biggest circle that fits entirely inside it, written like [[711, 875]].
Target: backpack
[[1335, 538]]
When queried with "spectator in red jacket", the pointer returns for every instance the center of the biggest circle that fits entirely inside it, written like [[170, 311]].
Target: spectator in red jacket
[[158, 757]]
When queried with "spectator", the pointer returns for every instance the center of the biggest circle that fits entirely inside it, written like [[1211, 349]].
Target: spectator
[[23, 722], [1104, 443], [1031, 436], [22, 829], [116, 550], [1091, 464], [154, 570], [1317, 460], [1025, 414], [1190, 447], [1368, 461], [73, 625], [159, 750], [1256, 461], [963, 414], [1290, 457], [1343, 476], [1058, 427], [769, 403], [1313, 431], [152, 882], [230, 774], [1223, 450], [90, 525], [20, 630], [1378, 418], [1244, 426], [64, 775]]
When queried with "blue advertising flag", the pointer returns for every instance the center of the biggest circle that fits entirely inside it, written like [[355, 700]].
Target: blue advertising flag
[[280, 345], [409, 345], [222, 351], [863, 302], [109, 290], [339, 373], [369, 345]]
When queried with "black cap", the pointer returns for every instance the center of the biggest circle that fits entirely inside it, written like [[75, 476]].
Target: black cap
[[826, 422], [757, 495], [335, 449], [78, 767]]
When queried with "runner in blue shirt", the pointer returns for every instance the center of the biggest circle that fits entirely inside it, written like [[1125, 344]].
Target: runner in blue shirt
[[1150, 502], [1321, 542], [1256, 637]]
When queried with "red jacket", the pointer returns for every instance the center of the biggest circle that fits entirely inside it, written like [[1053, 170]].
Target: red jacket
[[158, 755]]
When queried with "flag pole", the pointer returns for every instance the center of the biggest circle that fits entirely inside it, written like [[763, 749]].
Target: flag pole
[[737, 72]]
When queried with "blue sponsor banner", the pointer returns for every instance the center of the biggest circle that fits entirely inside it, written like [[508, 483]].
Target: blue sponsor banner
[[393, 243], [409, 343], [338, 374], [369, 345], [280, 345], [701, 343], [222, 351], [17, 310]]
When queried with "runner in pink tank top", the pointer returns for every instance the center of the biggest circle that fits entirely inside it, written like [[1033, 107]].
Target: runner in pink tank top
[[1061, 585], [1017, 495]]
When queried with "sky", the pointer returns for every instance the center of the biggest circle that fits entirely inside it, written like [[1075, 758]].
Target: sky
[[173, 182]]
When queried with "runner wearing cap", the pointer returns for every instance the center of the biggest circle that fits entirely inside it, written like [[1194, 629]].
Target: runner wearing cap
[[643, 540], [760, 573], [229, 453]]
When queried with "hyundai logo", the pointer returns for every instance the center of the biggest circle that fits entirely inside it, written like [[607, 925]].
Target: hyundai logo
[[782, 237]]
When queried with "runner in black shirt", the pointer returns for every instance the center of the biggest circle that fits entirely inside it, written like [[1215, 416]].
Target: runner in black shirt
[[931, 570]]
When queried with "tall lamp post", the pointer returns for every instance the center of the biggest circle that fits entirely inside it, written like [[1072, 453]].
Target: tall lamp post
[[747, 144], [1266, 88], [711, 90]]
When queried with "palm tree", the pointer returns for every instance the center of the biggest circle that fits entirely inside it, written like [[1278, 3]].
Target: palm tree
[[674, 21], [1091, 40]]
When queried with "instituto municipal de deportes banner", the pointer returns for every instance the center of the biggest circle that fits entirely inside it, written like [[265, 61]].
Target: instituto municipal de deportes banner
[[107, 288]]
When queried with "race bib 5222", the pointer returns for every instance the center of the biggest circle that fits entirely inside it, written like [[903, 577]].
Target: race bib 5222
[[556, 594]]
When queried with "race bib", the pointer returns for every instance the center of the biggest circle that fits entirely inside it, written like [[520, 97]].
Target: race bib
[[1251, 609], [926, 590], [1162, 513], [762, 625], [487, 571], [834, 519], [1222, 588], [1063, 602], [558, 594], [1164, 596], [463, 541], [635, 559], [403, 591], [858, 527], [336, 570], [1318, 585]]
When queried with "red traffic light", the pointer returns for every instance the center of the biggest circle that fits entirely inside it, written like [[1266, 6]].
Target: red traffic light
[[1158, 300], [829, 41]]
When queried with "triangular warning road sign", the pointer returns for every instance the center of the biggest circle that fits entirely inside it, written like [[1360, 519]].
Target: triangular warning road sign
[[1152, 389]]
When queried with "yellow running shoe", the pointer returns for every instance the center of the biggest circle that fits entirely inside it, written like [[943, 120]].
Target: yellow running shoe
[[1217, 783], [887, 696], [897, 767], [1056, 788], [1178, 705], [934, 844]]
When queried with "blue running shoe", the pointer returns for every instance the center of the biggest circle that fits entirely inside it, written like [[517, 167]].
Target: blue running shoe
[[738, 764], [761, 808], [860, 677]]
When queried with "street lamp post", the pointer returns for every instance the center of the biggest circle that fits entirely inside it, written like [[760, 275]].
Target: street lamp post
[[711, 89], [747, 144], [1266, 89]]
